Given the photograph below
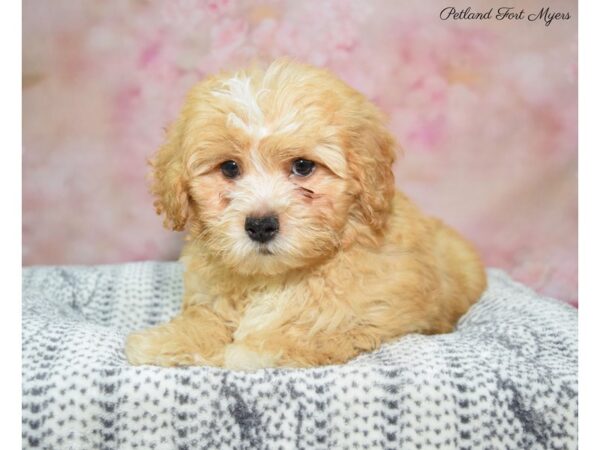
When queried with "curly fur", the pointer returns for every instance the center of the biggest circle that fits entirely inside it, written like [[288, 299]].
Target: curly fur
[[355, 263]]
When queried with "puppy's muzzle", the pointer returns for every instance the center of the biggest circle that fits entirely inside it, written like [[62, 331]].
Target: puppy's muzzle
[[262, 229]]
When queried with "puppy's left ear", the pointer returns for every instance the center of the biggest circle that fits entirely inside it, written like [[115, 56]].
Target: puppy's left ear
[[370, 164], [169, 180]]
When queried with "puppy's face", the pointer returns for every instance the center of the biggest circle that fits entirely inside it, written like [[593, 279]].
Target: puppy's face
[[275, 170]]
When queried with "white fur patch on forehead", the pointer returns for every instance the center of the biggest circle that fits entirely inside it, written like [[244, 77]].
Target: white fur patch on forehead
[[254, 130], [239, 90]]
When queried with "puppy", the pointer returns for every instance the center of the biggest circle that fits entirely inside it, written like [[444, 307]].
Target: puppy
[[299, 250]]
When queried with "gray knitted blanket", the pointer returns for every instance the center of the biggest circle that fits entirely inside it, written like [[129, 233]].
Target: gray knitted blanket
[[505, 379]]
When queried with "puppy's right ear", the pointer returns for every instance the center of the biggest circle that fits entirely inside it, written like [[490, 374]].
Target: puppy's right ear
[[169, 180]]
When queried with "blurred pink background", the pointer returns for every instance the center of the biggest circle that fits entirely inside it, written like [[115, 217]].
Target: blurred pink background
[[485, 111]]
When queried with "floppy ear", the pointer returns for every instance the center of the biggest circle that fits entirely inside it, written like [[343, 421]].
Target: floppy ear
[[170, 181], [370, 164]]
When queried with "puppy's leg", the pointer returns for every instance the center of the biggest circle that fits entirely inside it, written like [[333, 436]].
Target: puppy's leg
[[196, 337], [295, 348], [333, 336]]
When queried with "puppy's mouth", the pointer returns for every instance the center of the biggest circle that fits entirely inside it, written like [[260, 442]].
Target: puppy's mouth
[[263, 250]]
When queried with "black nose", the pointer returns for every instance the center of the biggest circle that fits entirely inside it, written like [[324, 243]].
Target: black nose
[[262, 229]]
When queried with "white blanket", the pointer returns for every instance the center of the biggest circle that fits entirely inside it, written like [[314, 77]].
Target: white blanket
[[506, 378]]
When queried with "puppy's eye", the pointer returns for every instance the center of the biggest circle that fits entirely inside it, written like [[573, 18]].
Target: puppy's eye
[[303, 167], [230, 169]]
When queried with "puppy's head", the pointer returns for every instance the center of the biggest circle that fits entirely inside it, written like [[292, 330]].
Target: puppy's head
[[273, 170]]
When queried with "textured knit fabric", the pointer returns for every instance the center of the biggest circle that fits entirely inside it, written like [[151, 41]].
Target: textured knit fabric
[[505, 379]]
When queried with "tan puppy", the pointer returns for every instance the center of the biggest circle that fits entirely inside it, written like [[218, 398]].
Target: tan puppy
[[299, 252]]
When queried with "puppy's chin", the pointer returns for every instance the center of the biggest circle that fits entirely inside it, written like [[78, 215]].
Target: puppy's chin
[[262, 260]]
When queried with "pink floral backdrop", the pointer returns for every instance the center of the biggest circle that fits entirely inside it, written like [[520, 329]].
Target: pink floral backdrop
[[485, 111]]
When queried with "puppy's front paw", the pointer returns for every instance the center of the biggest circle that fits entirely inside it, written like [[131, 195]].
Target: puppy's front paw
[[150, 347], [240, 357]]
